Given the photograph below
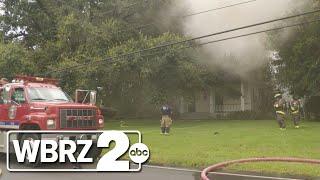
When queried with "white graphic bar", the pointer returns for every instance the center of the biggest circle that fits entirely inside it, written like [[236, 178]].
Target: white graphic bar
[[139, 165]]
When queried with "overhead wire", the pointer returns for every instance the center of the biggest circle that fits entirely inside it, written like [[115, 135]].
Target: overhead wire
[[188, 15], [219, 8], [183, 41], [238, 36]]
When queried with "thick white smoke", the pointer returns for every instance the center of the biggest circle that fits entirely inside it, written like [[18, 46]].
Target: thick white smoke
[[248, 52]]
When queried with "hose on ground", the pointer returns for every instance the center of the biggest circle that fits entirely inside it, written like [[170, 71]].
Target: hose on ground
[[264, 159]]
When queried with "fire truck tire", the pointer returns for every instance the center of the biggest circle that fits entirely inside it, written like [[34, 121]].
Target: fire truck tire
[[31, 137]]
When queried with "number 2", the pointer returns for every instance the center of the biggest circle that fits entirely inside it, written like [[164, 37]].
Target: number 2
[[109, 161]]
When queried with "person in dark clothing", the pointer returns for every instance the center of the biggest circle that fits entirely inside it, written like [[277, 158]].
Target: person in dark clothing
[[166, 121], [295, 111], [280, 110]]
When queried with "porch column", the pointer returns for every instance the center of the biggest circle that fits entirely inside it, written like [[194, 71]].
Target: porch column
[[212, 101], [242, 96], [181, 107]]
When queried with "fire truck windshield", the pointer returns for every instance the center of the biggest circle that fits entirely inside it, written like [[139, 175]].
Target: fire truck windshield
[[47, 94]]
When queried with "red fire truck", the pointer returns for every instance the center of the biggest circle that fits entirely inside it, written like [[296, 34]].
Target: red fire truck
[[33, 103]]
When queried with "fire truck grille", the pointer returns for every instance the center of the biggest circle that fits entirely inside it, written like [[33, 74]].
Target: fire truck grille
[[77, 118]]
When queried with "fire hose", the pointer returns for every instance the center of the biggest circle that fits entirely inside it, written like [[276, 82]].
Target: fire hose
[[265, 159]]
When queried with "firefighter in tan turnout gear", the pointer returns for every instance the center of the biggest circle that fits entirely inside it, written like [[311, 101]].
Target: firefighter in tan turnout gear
[[280, 108], [295, 111], [166, 120]]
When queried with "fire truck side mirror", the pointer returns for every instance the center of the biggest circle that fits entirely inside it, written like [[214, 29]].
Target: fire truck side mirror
[[86, 96], [93, 97]]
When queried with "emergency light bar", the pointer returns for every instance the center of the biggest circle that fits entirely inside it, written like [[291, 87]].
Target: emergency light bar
[[30, 79]]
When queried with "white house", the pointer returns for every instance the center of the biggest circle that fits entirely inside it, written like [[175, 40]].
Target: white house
[[240, 95]]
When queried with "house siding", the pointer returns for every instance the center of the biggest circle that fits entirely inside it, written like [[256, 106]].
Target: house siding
[[210, 104]]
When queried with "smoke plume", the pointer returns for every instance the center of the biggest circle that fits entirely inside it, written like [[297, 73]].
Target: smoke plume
[[237, 55]]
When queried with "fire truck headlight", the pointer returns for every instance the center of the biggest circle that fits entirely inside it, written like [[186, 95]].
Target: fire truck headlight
[[51, 124]]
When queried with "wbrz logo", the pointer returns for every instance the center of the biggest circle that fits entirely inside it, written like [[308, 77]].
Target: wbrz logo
[[52, 151], [79, 150]]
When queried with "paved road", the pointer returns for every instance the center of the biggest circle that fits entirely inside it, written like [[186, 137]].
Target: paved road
[[148, 173]]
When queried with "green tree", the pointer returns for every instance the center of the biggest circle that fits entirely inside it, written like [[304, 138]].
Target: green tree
[[63, 34], [299, 67], [14, 60]]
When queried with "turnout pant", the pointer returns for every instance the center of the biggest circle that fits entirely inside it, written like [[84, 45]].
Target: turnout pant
[[296, 119], [165, 124], [281, 120]]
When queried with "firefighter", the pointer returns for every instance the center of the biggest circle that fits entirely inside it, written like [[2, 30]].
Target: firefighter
[[166, 120], [280, 109], [295, 111]]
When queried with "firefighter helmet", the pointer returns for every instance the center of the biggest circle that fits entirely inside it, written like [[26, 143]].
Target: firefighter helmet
[[277, 95]]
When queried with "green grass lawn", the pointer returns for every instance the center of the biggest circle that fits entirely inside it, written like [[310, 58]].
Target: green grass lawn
[[197, 144]]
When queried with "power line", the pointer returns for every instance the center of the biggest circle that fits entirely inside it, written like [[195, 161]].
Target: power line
[[189, 40], [250, 34], [220, 40], [235, 37], [186, 41], [219, 8], [223, 39], [192, 14]]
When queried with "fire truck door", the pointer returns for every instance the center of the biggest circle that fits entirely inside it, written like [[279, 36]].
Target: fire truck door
[[3, 113], [2, 133], [18, 107], [5, 122], [2, 105]]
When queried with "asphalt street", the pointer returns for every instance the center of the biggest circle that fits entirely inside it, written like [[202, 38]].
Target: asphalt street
[[147, 173]]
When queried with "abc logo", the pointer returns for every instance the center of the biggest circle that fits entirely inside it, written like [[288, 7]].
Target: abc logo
[[139, 153]]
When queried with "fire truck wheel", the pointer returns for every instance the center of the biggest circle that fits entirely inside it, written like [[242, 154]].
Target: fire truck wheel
[[31, 138]]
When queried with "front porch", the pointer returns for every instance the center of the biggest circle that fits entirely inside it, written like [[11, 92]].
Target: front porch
[[214, 102]]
